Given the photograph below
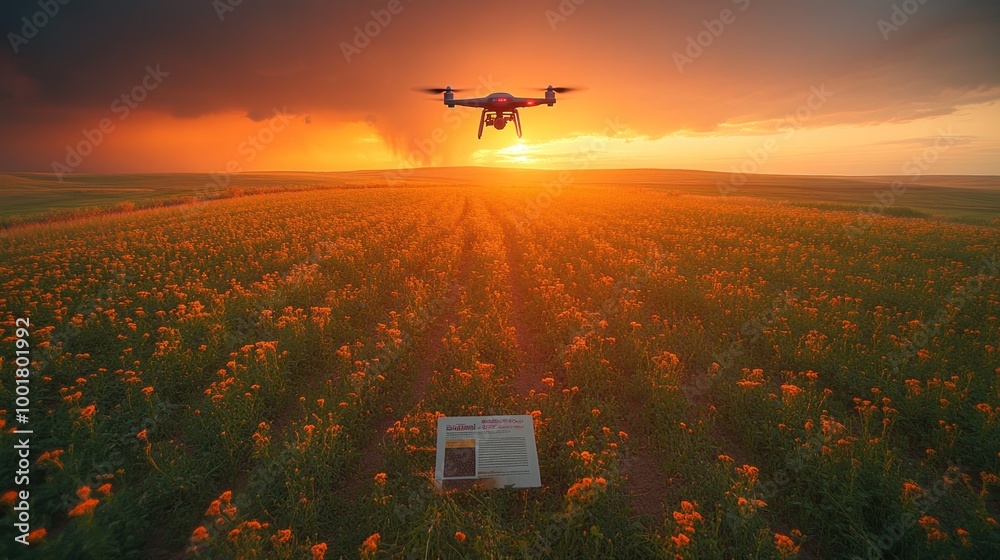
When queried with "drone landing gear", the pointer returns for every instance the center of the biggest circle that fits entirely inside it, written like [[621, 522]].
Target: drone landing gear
[[499, 120]]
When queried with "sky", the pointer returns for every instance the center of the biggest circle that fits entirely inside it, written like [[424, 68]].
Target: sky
[[851, 87]]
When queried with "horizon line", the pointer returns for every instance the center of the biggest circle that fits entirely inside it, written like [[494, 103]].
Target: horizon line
[[510, 169]]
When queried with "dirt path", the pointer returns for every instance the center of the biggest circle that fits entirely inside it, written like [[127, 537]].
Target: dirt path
[[645, 483], [429, 349], [371, 456], [533, 357]]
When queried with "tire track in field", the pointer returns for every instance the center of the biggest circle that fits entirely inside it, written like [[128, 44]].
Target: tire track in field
[[534, 360], [727, 441], [284, 417], [645, 482], [429, 349]]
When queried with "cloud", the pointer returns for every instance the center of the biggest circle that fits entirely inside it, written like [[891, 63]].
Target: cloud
[[265, 55]]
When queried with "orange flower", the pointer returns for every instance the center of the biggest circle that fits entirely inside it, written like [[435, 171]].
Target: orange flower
[[319, 551], [371, 543], [282, 536], [82, 508], [83, 492], [680, 540], [36, 535], [253, 525], [105, 489], [213, 509], [380, 478], [9, 498], [233, 535], [141, 435], [226, 496], [686, 518], [964, 535], [199, 534], [52, 457], [790, 391], [933, 528], [586, 487], [87, 413], [785, 545], [750, 472], [147, 391], [459, 536]]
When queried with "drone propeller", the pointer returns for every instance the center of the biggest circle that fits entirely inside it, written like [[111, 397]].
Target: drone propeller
[[564, 89], [437, 91]]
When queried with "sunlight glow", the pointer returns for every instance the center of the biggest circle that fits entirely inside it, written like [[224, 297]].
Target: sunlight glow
[[518, 153]]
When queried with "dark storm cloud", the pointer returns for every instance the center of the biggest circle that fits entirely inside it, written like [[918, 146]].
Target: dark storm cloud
[[260, 55]]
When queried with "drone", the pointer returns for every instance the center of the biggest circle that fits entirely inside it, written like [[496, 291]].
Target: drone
[[499, 108]]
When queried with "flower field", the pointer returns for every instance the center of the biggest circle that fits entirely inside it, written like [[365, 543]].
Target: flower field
[[260, 377]]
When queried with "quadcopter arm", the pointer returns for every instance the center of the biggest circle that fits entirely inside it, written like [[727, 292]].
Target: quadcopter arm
[[534, 102], [472, 102]]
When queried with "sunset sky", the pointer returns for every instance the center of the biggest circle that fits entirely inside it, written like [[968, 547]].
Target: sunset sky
[[850, 87]]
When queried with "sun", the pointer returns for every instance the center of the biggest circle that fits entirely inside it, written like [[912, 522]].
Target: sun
[[519, 152], [517, 149]]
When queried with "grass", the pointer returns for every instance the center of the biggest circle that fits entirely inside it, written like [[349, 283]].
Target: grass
[[260, 377], [40, 197]]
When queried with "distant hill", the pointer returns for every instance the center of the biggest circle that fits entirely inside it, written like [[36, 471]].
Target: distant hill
[[967, 198]]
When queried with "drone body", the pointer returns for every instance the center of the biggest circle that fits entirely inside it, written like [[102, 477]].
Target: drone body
[[499, 108]]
